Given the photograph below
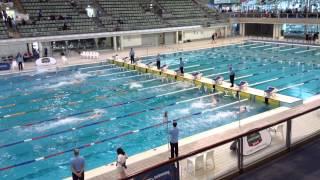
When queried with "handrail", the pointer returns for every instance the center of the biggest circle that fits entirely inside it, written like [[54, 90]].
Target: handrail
[[277, 119], [275, 15]]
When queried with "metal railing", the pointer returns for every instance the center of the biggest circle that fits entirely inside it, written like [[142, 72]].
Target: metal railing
[[275, 15], [285, 40], [295, 125]]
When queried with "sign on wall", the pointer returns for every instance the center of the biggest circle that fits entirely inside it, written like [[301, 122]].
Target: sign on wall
[[4, 66]]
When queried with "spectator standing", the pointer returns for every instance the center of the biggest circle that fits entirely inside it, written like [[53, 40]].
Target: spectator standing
[[39, 14], [9, 20], [212, 37], [45, 52], [77, 166], [5, 15], [19, 60], [132, 54], [121, 162], [174, 136], [181, 66]]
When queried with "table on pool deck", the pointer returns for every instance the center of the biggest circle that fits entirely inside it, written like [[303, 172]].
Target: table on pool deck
[[75, 58]]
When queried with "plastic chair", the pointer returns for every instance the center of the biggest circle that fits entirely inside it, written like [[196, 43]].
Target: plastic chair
[[209, 159], [278, 129], [195, 164]]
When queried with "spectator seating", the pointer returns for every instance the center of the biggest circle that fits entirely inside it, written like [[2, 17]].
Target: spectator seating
[[54, 15], [3, 30], [128, 15], [176, 9]]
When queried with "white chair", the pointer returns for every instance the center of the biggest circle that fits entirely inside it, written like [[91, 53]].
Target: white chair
[[278, 129], [195, 165], [209, 159]]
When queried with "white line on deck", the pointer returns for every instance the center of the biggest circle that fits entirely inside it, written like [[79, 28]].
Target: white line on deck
[[292, 86], [258, 83], [217, 74], [117, 73], [101, 70], [241, 77], [179, 102], [174, 92], [274, 48], [309, 50], [129, 77], [249, 45], [226, 105], [288, 49], [260, 46], [157, 86], [96, 66], [317, 54], [201, 70]]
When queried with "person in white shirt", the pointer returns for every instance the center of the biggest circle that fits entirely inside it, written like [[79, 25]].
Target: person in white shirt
[[121, 162]]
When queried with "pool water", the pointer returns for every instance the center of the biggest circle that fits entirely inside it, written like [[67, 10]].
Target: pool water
[[98, 108], [293, 69]]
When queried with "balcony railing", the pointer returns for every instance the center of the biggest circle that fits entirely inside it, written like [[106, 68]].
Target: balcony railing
[[217, 160], [275, 15]]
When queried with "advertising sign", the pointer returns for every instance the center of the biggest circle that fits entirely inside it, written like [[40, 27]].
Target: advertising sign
[[166, 172], [256, 141], [4, 66]]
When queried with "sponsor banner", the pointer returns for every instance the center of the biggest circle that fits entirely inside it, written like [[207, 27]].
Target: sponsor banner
[[256, 141], [166, 172], [4, 66], [46, 61]]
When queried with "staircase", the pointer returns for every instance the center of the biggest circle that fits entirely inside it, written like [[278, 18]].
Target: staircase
[[81, 9], [19, 6]]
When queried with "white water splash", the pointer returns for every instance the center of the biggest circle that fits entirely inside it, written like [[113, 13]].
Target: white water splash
[[66, 121], [76, 78], [135, 85]]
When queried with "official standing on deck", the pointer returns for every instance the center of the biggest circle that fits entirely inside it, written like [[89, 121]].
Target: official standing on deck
[[132, 54], [174, 136], [231, 76], [158, 62], [77, 166], [181, 66]]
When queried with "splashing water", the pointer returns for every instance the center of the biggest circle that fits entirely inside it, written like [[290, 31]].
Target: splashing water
[[135, 85], [97, 113]]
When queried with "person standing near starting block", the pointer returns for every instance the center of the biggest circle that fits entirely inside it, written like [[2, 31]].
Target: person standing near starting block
[[158, 62], [231, 76], [132, 54], [181, 66]]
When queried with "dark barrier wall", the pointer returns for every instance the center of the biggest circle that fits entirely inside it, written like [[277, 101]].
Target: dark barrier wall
[[265, 30]]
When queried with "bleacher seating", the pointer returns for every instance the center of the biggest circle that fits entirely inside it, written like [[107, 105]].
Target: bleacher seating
[[177, 9], [60, 17], [45, 26], [128, 15], [3, 30]]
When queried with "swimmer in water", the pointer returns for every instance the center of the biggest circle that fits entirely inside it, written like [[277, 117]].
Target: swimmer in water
[[214, 101], [95, 115], [242, 109]]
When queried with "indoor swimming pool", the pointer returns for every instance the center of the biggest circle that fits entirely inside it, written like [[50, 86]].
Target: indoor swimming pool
[[293, 69], [100, 107]]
